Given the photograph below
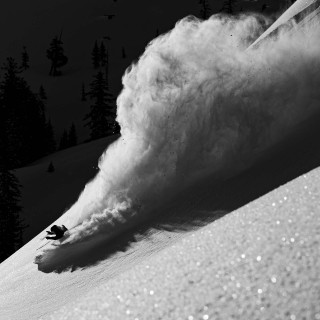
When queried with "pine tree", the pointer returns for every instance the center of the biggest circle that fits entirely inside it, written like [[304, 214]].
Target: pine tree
[[64, 141], [56, 54], [100, 119], [205, 9], [25, 59], [8, 105], [42, 93], [51, 168], [103, 55], [83, 93], [41, 129], [25, 117], [124, 55], [72, 136], [96, 56], [106, 67], [50, 139], [228, 6], [11, 225]]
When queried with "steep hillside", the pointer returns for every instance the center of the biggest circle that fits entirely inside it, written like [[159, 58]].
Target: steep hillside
[[260, 261]]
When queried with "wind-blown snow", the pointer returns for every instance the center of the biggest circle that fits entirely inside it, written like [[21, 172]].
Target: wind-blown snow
[[197, 103]]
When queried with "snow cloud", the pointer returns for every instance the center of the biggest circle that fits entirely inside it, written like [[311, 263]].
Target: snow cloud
[[197, 103]]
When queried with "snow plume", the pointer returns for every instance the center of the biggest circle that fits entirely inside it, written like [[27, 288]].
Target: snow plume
[[197, 103]]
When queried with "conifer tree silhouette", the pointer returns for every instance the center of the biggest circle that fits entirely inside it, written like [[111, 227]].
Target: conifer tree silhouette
[[25, 59], [11, 226], [72, 136], [26, 115], [50, 139], [51, 168], [101, 115], [83, 93], [64, 140], [103, 55], [205, 9], [42, 93], [229, 6], [95, 56], [56, 54], [106, 68], [123, 51]]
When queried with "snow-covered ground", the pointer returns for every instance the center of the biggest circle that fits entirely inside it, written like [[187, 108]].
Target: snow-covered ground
[[169, 268], [205, 266], [259, 262]]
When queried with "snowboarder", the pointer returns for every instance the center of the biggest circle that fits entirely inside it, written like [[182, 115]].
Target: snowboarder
[[57, 231]]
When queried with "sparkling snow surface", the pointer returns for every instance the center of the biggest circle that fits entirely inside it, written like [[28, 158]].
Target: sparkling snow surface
[[259, 262]]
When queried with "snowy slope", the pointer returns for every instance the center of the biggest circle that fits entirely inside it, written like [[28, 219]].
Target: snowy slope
[[36, 291], [275, 237], [260, 262]]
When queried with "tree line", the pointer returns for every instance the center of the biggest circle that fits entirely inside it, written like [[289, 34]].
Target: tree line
[[230, 7], [102, 114], [25, 135], [23, 117], [101, 119]]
